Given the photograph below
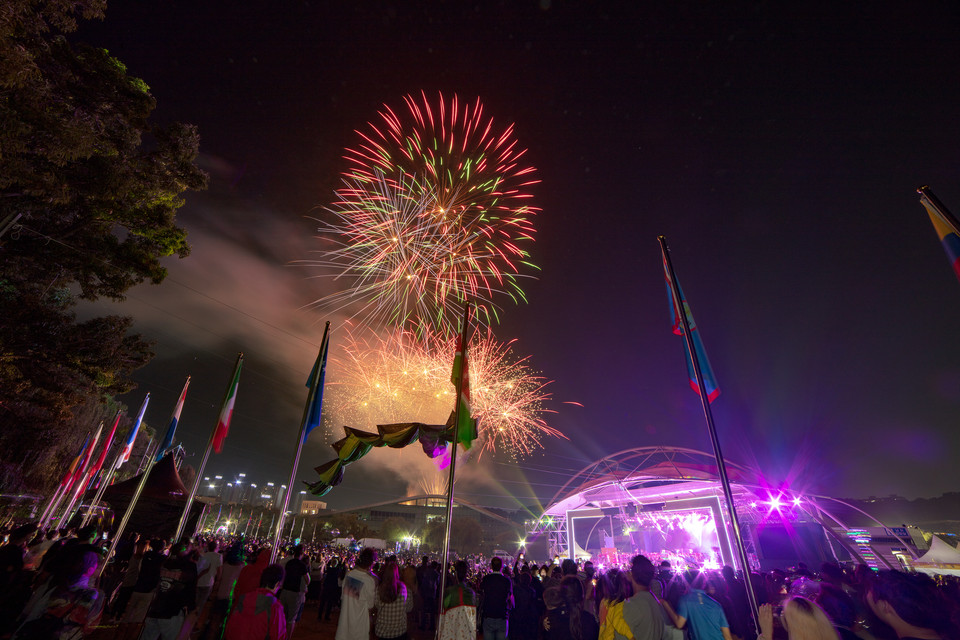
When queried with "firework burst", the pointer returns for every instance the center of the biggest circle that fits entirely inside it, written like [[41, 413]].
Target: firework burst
[[435, 210], [403, 378]]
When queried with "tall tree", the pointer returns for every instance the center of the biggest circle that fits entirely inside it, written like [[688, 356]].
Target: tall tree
[[94, 187]]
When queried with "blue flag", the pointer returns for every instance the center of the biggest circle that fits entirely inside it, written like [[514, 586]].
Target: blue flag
[[315, 383], [709, 381]]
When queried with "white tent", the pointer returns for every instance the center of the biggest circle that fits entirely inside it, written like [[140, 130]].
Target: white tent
[[940, 559]]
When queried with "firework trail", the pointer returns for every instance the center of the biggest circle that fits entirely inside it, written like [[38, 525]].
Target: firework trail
[[406, 378], [435, 210]]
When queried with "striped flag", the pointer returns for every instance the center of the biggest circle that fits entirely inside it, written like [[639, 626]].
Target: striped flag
[[95, 469], [174, 420], [132, 438], [466, 428], [709, 381], [226, 413], [81, 472], [947, 227]]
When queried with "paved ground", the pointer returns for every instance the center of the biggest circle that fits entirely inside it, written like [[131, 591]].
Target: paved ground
[[309, 628]]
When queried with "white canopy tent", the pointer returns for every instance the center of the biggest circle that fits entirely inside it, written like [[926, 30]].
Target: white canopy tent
[[940, 559]]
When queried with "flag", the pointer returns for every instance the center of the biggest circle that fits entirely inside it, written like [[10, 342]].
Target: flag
[[709, 382], [132, 438], [98, 464], [226, 413], [80, 473], [947, 227], [174, 419], [71, 470], [466, 428], [317, 375]]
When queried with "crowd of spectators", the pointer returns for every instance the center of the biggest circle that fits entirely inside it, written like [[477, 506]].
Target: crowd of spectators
[[60, 584]]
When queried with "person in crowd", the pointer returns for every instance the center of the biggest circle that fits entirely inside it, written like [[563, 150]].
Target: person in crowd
[[569, 621], [912, 606], [642, 611], [741, 623], [802, 619], [616, 588], [716, 587], [588, 578], [208, 567], [330, 591], [249, 578], [458, 620], [428, 583], [408, 574], [316, 578], [176, 596], [259, 615], [66, 605], [125, 549], [496, 600], [38, 547], [129, 579], [357, 599], [229, 572], [840, 609], [699, 612], [14, 582], [393, 603], [525, 612], [148, 579], [294, 591]]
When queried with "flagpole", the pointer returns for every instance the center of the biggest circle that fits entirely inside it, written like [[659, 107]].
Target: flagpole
[[52, 504], [206, 455], [925, 193], [66, 485], [711, 427], [108, 476], [453, 455], [82, 480], [126, 516], [107, 479], [318, 375]]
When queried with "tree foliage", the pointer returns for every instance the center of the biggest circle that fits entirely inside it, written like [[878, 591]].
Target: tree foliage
[[96, 186], [466, 535], [349, 525], [394, 529]]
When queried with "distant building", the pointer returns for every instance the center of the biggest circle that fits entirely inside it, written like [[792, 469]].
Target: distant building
[[311, 507]]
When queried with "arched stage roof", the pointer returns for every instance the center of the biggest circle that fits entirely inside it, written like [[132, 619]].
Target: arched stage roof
[[632, 479]]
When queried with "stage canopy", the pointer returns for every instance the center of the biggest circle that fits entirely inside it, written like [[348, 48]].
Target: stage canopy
[[632, 500]]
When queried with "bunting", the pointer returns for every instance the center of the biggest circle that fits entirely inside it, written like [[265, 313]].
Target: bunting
[[433, 440]]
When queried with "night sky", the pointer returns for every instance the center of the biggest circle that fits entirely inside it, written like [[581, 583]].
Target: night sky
[[778, 148]]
